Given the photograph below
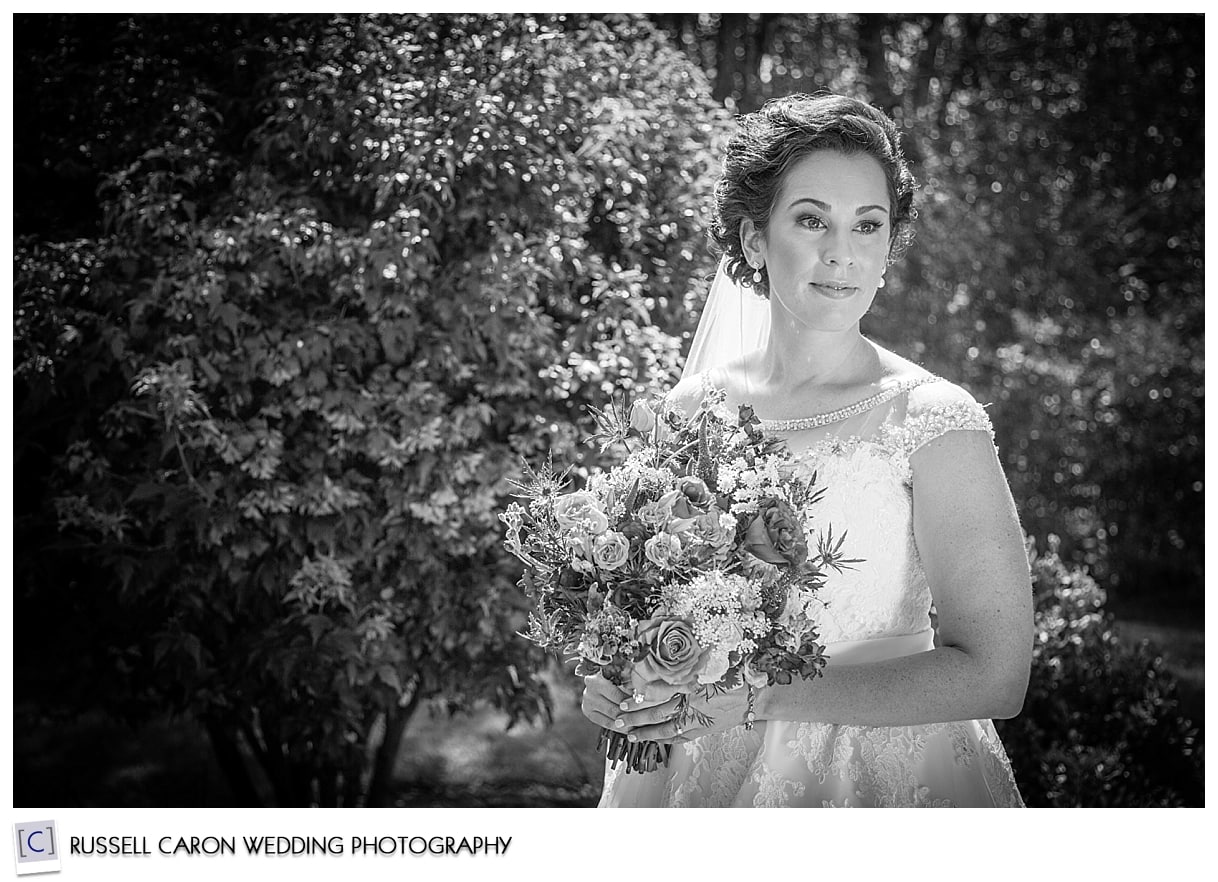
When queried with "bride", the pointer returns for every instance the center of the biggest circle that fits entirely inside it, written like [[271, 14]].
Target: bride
[[929, 636]]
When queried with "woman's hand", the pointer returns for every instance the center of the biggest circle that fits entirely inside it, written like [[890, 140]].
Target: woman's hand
[[604, 702], [655, 719], [601, 702]]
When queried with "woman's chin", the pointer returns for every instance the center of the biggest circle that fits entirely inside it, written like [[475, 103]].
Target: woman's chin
[[831, 309]]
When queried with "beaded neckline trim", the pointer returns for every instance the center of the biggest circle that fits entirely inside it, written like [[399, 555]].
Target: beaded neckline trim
[[842, 413]]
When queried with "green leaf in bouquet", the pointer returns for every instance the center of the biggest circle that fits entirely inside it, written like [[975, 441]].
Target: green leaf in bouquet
[[617, 672], [585, 668], [830, 552], [706, 468], [733, 679], [595, 601], [812, 661], [632, 495], [814, 494], [542, 630], [685, 712], [528, 583], [543, 483], [612, 423]]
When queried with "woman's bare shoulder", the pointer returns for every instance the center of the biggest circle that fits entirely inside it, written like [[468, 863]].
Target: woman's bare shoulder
[[896, 370]]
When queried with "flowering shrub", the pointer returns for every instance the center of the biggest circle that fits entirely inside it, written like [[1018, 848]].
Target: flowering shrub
[[335, 301], [1101, 724]]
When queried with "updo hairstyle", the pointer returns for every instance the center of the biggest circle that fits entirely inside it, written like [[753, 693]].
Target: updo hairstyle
[[768, 142]]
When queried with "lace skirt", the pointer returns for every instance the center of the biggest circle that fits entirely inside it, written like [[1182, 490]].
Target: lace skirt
[[824, 765]]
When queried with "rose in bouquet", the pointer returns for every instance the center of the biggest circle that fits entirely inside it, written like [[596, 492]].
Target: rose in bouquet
[[686, 567]]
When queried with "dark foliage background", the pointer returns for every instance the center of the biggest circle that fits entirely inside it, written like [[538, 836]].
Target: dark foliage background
[[295, 294]]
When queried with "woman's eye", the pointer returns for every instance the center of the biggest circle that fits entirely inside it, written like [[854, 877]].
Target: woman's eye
[[812, 222], [870, 226]]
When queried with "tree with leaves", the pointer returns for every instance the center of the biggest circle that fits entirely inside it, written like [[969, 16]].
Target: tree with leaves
[[343, 274]]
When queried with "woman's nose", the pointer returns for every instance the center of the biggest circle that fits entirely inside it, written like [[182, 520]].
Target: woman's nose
[[837, 252]]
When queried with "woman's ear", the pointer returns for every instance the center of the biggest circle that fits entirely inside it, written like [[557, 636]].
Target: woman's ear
[[752, 242]]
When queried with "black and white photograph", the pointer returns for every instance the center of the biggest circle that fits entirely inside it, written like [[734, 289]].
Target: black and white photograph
[[575, 410]]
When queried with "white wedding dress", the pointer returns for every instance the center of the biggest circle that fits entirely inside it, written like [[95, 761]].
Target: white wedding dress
[[880, 609]]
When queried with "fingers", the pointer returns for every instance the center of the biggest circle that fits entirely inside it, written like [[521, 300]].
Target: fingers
[[600, 715], [598, 710], [667, 732], [651, 694], [630, 720], [601, 700], [612, 693]]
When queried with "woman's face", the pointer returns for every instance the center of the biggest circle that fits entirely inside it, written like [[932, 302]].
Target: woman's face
[[826, 245]]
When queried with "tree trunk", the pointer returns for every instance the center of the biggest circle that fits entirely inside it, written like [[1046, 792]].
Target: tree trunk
[[327, 786], [284, 775], [387, 753], [927, 66], [727, 65], [871, 42], [224, 743], [741, 42], [750, 93]]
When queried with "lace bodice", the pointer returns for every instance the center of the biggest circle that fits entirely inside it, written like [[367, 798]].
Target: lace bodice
[[862, 460]]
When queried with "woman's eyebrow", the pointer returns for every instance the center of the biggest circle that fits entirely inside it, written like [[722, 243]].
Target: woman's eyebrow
[[825, 206]]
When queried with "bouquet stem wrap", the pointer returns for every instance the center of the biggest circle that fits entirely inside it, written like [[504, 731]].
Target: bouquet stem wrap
[[641, 756]]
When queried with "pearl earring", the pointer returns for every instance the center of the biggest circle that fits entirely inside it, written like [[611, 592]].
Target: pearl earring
[[881, 285], [757, 275]]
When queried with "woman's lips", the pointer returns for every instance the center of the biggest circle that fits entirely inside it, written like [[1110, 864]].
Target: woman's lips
[[835, 290]]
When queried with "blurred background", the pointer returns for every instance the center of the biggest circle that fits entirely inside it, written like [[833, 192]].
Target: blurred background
[[295, 295]]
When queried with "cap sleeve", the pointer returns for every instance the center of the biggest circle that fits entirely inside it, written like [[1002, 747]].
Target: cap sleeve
[[940, 407]]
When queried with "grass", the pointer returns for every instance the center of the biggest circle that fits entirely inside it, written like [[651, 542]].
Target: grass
[[471, 759]]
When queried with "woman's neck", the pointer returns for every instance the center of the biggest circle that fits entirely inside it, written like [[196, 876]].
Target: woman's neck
[[796, 359]]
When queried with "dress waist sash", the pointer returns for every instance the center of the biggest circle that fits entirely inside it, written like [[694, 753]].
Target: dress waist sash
[[853, 652]]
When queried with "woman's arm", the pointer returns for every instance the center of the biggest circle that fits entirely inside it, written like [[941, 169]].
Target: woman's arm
[[971, 547]]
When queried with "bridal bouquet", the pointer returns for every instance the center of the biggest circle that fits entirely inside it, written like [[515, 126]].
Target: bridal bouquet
[[686, 567]]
